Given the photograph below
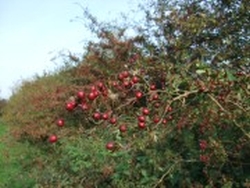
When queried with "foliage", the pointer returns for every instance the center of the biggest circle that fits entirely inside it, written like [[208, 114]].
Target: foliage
[[214, 32], [3, 103], [191, 142], [170, 104], [36, 104], [15, 162]]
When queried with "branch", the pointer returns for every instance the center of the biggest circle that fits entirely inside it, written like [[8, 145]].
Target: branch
[[184, 95], [216, 102], [243, 130], [164, 175], [240, 107]]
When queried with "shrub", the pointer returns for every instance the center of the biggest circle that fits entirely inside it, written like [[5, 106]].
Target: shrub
[[34, 107], [197, 103], [3, 103], [186, 139], [166, 108]]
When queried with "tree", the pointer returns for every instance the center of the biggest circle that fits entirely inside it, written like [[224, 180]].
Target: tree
[[214, 32]]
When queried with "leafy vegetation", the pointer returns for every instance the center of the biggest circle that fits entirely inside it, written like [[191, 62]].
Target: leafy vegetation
[[168, 107], [3, 103], [15, 161]]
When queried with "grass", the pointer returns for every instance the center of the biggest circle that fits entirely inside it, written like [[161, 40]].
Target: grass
[[14, 160]]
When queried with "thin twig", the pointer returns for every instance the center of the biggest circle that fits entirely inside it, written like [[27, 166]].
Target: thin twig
[[216, 102], [238, 106], [164, 175], [243, 130]]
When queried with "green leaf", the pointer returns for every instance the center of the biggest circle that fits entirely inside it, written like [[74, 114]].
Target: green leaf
[[228, 185], [200, 71], [144, 173], [230, 76]]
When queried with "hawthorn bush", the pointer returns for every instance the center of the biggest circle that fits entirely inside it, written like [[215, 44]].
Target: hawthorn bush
[[176, 133], [168, 107], [3, 103], [35, 105]]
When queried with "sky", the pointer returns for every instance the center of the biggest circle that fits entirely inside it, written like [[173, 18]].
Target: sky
[[32, 32]]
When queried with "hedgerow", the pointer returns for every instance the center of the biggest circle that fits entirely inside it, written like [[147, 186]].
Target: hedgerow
[[168, 107]]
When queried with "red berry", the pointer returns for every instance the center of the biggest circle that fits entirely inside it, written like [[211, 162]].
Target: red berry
[[135, 79], [155, 97], [156, 119], [138, 94], [84, 106], [70, 106], [123, 128], [81, 94], [221, 98], [96, 116], [152, 87], [157, 105], [126, 84], [125, 74], [53, 138], [120, 76], [105, 92], [202, 89], [93, 88], [204, 158], [203, 144], [170, 117], [113, 120], [100, 85], [105, 116], [164, 121], [110, 146], [141, 125], [96, 93], [145, 111], [115, 84], [141, 118], [169, 109], [92, 96], [60, 122], [240, 73]]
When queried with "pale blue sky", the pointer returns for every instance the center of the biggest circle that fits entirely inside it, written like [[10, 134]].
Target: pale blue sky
[[31, 29]]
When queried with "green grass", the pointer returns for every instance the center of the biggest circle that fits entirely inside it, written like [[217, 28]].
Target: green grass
[[14, 161]]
